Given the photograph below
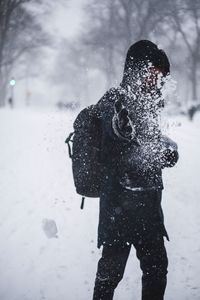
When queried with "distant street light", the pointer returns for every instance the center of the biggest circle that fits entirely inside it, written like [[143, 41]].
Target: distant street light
[[12, 82], [12, 85]]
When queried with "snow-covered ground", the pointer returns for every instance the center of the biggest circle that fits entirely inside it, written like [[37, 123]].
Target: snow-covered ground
[[48, 245]]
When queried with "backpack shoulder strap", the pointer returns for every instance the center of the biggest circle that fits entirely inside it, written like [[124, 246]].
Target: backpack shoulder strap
[[86, 117], [67, 141]]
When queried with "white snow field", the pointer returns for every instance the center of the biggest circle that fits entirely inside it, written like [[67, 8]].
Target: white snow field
[[48, 245]]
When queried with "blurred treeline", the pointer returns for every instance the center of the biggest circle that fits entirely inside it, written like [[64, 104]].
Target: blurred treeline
[[92, 61], [21, 34]]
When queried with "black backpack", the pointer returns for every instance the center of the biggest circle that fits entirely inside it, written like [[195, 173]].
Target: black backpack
[[85, 154]]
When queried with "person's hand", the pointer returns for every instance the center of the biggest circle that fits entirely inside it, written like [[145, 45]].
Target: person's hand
[[170, 157]]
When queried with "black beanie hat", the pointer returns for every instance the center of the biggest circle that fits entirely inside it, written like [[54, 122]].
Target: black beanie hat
[[146, 52]]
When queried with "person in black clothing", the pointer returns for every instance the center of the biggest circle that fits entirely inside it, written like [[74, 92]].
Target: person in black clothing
[[133, 154]]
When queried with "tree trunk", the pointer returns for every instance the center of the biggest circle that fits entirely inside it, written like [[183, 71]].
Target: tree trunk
[[110, 67], [2, 92], [194, 80], [194, 107]]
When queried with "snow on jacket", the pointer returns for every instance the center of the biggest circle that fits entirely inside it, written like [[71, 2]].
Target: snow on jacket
[[132, 185]]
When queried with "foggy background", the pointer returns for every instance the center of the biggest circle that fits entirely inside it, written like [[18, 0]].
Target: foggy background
[[55, 58], [67, 52]]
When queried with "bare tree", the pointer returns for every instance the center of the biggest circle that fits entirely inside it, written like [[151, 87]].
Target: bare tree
[[113, 26], [71, 73], [19, 33], [186, 18]]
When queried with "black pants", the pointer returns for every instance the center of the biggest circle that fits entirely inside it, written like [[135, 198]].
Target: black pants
[[153, 263]]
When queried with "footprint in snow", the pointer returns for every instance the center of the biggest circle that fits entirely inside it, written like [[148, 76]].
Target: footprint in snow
[[50, 229]]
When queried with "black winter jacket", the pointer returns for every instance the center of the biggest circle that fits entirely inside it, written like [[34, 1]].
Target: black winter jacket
[[130, 201]]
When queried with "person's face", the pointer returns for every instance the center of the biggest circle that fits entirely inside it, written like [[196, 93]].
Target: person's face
[[148, 98], [153, 83], [154, 78]]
